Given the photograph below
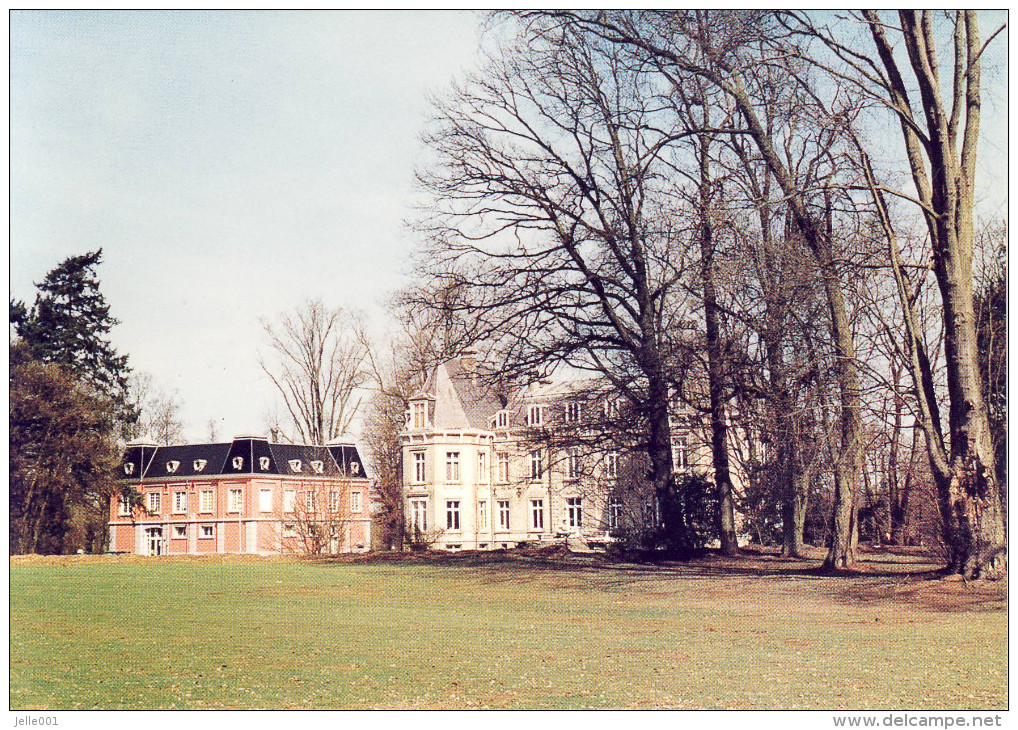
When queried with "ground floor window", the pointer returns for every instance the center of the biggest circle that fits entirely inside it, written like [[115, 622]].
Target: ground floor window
[[537, 514], [207, 531], [452, 514], [482, 515], [614, 515], [574, 507], [503, 514], [180, 530], [419, 514]]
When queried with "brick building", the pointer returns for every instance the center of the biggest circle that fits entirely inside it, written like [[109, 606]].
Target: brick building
[[246, 496]]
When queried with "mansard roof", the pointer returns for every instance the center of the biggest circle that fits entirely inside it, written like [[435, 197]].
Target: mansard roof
[[243, 455]]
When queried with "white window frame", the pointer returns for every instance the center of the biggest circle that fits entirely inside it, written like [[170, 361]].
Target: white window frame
[[504, 515], [289, 501], [265, 499], [537, 514], [124, 508], [419, 514], [574, 511], [235, 500], [419, 415], [207, 501], [154, 503], [420, 467], [573, 460], [334, 501], [482, 514], [311, 500], [611, 464], [681, 453], [356, 501], [452, 515], [179, 531], [452, 467], [178, 508], [614, 514], [503, 458], [206, 532], [535, 415], [502, 419], [482, 467], [536, 464], [572, 412]]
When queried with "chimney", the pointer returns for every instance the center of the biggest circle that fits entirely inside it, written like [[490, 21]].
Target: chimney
[[469, 360], [274, 435]]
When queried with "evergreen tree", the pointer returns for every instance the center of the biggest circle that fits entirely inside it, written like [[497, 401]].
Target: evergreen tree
[[69, 325]]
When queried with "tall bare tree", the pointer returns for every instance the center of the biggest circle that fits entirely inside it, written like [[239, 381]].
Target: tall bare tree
[[317, 364]]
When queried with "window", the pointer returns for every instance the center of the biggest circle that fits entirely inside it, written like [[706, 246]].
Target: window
[[535, 415], [154, 502], [452, 466], [575, 512], [482, 515], [318, 466], [482, 466], [572, 414], [172, 466], [265, 500], [420, 414], [289, 500], [420, 475], [238, 463], [180, 530], [236, 501], [289, 529], [355, 501], [125, 508], [614, 514], [501, 420], [503, 514], [573, 463], [537, 514], [610, 408], [419, 514], [264, 463], [207, 503], [179, 503], [207, 531], [536, 464], [681, 453], [334, 502], [452, 514], [652, 512], [200, 464], [312, 501], [611, 464], [295, 465], [503, 466]]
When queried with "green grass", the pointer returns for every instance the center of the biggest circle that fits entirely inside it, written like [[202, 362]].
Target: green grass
[[464, 633]]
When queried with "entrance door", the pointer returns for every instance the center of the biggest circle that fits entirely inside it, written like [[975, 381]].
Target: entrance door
[[155, 540]]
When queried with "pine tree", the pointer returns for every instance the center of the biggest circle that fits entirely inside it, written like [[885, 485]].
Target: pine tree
[[69, 325]]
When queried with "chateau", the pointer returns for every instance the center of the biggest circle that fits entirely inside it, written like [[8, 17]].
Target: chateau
[[486, 470], [247, 496]]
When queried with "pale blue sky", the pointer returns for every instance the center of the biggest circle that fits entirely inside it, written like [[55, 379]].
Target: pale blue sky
[[230, 165], [234, 164]]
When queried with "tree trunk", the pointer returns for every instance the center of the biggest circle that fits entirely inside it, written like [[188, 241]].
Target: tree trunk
[[715, 368]]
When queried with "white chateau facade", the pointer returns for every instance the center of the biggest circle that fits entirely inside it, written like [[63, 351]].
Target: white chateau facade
[[484, 471]]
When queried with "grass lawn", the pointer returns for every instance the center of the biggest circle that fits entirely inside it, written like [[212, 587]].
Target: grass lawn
[[498, 631]]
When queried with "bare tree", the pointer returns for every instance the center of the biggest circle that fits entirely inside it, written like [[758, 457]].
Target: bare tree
[[317, 519], [159, 411], [551, 208], [318, 367]]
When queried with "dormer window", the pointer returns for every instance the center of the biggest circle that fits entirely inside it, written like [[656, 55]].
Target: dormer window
[[318, 466], [535, 415], [199, 464], [238, 462], [264, 463], [355, 468], [129, 468], [418, 414], [172, 466], [295, 465], [502, 419]]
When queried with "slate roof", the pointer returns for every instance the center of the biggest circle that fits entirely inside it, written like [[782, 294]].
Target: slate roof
[[246, 455]]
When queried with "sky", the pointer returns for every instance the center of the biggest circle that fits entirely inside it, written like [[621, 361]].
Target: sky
[[231, 166]]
